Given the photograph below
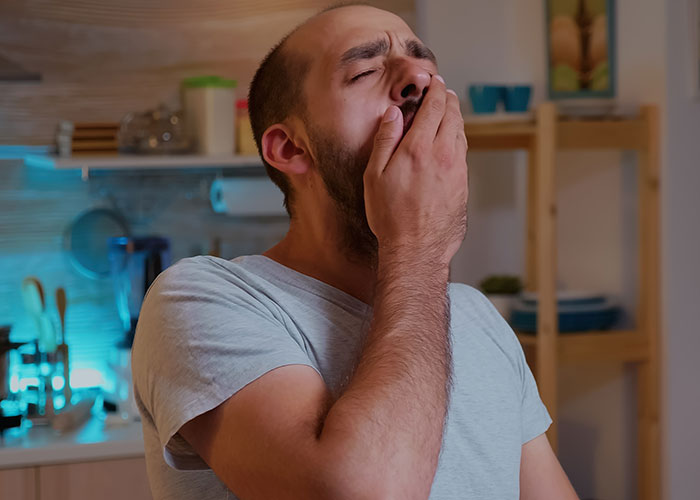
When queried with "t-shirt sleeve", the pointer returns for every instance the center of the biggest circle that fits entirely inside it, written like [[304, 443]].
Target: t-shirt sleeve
[[202, 336], [535, 417]]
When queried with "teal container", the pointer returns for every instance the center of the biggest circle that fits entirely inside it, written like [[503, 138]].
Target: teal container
[[484, 98], [517, 98]]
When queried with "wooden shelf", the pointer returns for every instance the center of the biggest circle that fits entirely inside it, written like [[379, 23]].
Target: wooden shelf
[[140, 162], [500, 135], [542, 138], [602, 134], [611, 345], [625, 134]]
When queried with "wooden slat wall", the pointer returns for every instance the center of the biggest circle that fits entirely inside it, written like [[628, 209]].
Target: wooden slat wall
[[103, 58]]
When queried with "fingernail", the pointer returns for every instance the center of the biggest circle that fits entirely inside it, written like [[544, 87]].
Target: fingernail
[[450, 91], [440, 78], [391, 115]]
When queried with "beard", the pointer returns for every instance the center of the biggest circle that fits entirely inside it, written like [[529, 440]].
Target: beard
[[342, 170]]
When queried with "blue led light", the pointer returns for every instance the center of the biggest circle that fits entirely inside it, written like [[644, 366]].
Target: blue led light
[[82, 378], [28, 382], [14, 383], [57, 383]]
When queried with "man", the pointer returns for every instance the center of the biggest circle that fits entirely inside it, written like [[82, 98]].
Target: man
[[340, 364]]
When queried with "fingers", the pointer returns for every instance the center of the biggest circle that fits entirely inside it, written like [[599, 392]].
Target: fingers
[[386, 139], [462, 142], [462, 145], [451, 128], [431, 111]]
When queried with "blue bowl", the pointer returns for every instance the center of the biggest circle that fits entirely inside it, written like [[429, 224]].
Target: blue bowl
[[484, 98], [517, 98]]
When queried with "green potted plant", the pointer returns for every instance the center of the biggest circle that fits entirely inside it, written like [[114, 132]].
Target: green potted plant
[[501, 290]]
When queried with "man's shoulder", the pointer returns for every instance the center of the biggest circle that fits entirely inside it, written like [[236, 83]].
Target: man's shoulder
[[470, 303], [201, 273], [473, 312], [195, 269], [201, 287], [462, 294]]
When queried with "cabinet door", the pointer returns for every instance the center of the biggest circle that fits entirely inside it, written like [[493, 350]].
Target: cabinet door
[[18, 484], [106, 480]]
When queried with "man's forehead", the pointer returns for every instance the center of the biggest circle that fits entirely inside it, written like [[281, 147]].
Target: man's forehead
[[326, 37]]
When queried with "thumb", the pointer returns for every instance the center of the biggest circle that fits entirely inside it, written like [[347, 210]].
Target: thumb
[[386, 139]]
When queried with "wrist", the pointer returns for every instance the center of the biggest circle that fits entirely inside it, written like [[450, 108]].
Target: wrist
[[413, 257], [412, 265]]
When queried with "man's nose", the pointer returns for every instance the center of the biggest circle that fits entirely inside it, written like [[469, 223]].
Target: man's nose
[[412, 82]]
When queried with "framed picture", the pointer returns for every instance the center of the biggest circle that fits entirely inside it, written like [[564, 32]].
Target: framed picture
[[694, 17], [581, 48]]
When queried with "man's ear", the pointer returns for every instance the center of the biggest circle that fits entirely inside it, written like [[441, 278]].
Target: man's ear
[[282, 152]]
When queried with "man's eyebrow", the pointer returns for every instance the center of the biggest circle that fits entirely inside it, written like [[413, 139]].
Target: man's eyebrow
[[368, 50], [416, 49]]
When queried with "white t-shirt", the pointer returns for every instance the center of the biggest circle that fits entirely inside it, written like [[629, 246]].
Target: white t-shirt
[[209, 326]]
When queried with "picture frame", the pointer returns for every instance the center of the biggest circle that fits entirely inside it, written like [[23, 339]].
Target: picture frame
[[581, 51], [694, 43]]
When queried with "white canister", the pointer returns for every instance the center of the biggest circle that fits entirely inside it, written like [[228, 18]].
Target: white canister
[[210, 112]]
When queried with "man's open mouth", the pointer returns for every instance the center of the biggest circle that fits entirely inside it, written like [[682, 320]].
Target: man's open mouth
[[409, 110], [408, 121]]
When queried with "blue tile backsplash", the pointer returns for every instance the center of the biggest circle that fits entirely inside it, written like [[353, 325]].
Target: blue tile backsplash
[[37, 206]]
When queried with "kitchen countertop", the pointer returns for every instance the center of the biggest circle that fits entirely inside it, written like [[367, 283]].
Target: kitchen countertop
[[94, 440]]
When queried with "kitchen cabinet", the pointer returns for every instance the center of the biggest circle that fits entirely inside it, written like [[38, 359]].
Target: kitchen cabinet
[[95, 460], [18, 484], [106, 480]]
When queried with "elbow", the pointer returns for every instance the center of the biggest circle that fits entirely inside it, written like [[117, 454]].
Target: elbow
[[345, 485], [346, 479], [351, 470]]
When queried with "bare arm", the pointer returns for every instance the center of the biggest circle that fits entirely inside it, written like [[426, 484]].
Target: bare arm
[[389, 422], [281, 436]]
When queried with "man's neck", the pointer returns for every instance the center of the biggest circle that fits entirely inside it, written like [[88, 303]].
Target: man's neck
[[317, 254]]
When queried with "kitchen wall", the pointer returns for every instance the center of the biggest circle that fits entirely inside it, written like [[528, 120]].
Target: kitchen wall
[[681, 248], [480, 41], [37, 206]]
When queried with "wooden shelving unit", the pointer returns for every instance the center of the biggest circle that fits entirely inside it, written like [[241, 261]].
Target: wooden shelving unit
[[547, 349]]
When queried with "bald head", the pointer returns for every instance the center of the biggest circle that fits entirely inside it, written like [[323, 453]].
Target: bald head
[[276, 91], [304, 63]]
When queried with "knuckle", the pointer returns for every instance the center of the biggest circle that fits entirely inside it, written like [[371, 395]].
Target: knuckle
[[453, 100], [383, 140], [456, 114], [443, 156], [414, 149], [414, 153]]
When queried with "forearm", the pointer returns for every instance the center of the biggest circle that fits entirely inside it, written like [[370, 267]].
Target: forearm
[[389, 421]]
